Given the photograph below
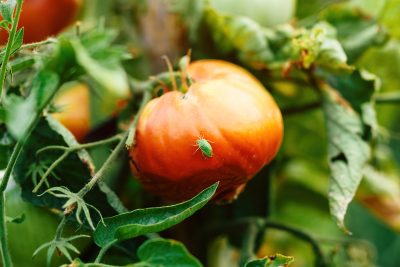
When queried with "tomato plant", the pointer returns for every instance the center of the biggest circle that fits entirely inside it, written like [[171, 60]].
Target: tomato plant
[[199, 133], [45, 18], [166, 160]]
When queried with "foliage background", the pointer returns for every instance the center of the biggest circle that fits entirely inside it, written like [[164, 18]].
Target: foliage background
[[296, 189]]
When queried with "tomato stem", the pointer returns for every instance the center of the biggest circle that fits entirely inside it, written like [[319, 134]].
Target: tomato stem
[[114, 154], [36, 44], [9, 48], [248, 244], [163, 78], [171, 73]]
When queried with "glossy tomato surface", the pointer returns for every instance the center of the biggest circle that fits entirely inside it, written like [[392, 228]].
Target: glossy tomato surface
[[74, 110], [226, 106], [44, 18]]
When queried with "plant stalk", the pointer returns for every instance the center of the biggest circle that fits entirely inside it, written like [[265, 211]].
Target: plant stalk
[[319, 256], [5, 252], [9, 46], [248, 244], [100, 173]]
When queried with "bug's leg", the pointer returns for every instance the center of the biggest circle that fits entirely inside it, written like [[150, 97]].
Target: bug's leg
[[196, 150]]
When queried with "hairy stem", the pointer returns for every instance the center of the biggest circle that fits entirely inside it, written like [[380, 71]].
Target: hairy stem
[[120, 146], [36, 44], [67, 152], [114, 154], [9, 46], [82, 146], [102, 252], [248, 243], [100, 173], [5, 252]]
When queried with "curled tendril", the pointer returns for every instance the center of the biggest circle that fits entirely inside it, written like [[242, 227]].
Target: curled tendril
[[74, 202], [61, 245]]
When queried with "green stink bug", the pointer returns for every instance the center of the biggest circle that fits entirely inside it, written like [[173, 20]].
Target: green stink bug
[[205, 147]]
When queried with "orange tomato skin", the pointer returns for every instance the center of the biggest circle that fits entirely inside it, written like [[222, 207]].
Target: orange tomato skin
[[44, 18], [75, 110], [225, 105]]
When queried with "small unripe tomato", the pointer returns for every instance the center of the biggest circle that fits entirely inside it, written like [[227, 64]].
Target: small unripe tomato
[[39, 227], [225, 128], [74, 113], [44, 18]]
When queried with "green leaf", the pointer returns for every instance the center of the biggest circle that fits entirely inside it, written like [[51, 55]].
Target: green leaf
[[241, 35], [18, 41], [356, 30], [7, 9], [275, 48], [79, 263], [20, 113], [273, 261], [4, 25], [165, 253], [102, 63], [357, 88], [21, 63], [73, 172], [348, 152], [320, 46], [390, 17], [150, 220]]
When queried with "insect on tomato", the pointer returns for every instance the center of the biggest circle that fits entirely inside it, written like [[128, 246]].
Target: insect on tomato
[[229, 106], [205, 147]]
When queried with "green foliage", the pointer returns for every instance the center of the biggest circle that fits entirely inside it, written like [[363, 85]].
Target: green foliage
[[356, 30], [74, 171], [7, 9], [62, 245], [350, 120], [273, 261], [17, 108], [313, 66], [150, 220], [166, 253], [102, 61], [348, 153]]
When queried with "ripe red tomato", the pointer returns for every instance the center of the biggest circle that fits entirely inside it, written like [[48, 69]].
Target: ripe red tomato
[[44, 18], [226, 108], [74, 103]]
